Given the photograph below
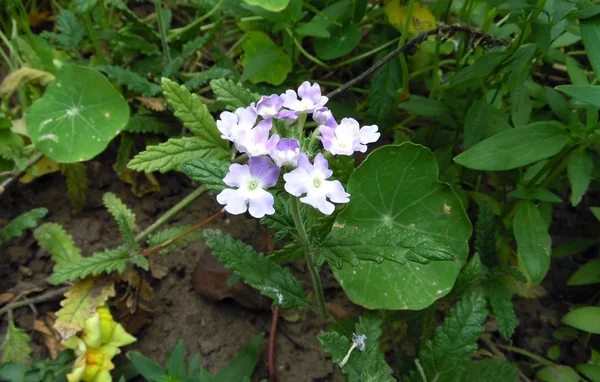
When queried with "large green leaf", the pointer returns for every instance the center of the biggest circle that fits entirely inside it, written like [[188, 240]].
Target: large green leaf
[[79, 114], [397, 187], [589, 94], [579, 170], [588, 273], [590, 34], [533, 241], [209, 172], [16, 345], [263, 60], [342, 41], [516, 147], [586, 318], [270, 5]]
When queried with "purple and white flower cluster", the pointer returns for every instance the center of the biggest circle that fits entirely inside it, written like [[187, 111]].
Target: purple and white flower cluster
[[253, 131]]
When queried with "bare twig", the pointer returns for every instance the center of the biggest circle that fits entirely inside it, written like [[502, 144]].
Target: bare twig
[[50, 295], [271, 354], [477, 39], [6, 182]]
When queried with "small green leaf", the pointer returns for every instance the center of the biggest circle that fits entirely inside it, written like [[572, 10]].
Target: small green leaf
[[590, 34], [16, 345], [483, 121], [209, 172], [483, 66], [589, 94], [203, 77], [592, 372], [77, 184], [366, 364], [516, 147], [263, 60], [125, 219], [485, 236], [354, 244], [22, 222], [574, 246], [163, 236], [109, 261], [588, 273], [502, 307], [586, 318], [134, 82], [533, 241], [579, 170], [233, 94], [269, 278], [342, 41], [70, 30], [53, 238], [240, 368], [147, 367], [445, 356], [176, 361], [196, 117], [558, 373], [283, 220], [171, 154], [270, 5], [425, 107], [469, 277], [79, 114], [82, 6], [576, 73], [385, 83], [558, 104]]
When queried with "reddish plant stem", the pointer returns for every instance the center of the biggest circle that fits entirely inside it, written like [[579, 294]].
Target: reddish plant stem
[[204, 222], [272, 339]]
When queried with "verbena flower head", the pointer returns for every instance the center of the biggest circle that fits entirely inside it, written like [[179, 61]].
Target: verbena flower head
[[286, 151], [275, 146], [360, 340], [251, 181], [310, 100], [347, 137], [311, 179]]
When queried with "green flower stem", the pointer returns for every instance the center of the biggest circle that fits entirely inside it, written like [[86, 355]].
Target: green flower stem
[[305, 53], [163, 31], [528, 354], [176, 32], [300, 127], [309, 256], [171, 212], [90, 27]]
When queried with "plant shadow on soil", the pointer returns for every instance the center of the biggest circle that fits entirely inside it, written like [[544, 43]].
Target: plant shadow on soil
[[217, 330]]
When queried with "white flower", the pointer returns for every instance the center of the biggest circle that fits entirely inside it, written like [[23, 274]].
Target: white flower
[[257, 142], [232, 125], [310, 100], [287, 151], [347, 137], [251, 181], [311, 180]]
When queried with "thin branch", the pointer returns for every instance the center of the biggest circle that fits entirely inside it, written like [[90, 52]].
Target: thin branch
[[271, 352], [477, 39], [50, 295], [6, 182]]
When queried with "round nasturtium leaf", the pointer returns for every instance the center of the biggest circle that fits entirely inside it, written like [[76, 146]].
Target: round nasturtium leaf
[[397, 186], [79, 114]]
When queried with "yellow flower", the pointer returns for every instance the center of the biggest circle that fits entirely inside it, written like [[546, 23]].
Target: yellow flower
[[422, 19], [95, 348]]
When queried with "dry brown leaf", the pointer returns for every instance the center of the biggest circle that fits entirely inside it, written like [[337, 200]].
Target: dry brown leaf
[[52, 339], [5, 298], [141, 286], [24, 76], [153, 103], [158, 271]]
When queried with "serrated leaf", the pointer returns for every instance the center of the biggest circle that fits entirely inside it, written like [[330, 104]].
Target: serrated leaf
[[195, 116], [385, 83], [485, 236], [444, 357], [233, 94], [82, 6], [533, 241], [22, 222], [171, 154], [469, 277], [205, 76], [352, 244], [209, 172], [148, 124], [125, 220], [579, 171], [502, 307], [367, 365], [70, 30], [163, 236], [53, 238], [78, 115], [16, 345], [269, 278], [133, 81], [491, 371], [109, 261], [80, 303], [282, 221], [77, 184]]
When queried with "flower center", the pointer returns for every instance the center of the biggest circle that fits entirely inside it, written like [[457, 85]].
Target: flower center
[[317, 182], [253, 185]]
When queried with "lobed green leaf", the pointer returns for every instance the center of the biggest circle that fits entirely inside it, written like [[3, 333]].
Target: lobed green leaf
[[109, 261], [22, 222], [54, 239], [209, 172], [233, 94]]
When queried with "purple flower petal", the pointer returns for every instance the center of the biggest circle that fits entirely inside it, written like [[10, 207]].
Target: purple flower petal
[[268, 107], [286, 152], [261, 169]]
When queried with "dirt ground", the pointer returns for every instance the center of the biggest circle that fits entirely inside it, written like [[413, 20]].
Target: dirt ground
[[217, 330]]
